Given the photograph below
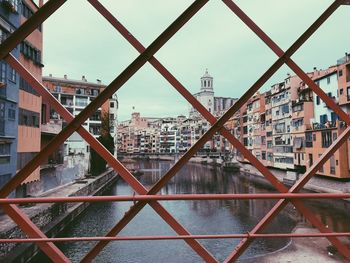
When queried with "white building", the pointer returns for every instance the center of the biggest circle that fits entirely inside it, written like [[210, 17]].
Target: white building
[[215, 105], [75, 95], [169, 138], [323, 115]]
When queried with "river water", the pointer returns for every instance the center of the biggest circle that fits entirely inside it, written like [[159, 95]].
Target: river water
[[199, 217]]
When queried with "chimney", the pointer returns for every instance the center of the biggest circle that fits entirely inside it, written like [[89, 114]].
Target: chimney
[[98, 81], [65, 76], [83, 78], [315, 69]]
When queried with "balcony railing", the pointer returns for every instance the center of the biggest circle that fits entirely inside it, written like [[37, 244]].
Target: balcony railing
[[54, 126]]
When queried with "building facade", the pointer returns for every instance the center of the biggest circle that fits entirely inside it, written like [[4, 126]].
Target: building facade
[[75, 95], [29, 103], [9, 90], [215, 105]]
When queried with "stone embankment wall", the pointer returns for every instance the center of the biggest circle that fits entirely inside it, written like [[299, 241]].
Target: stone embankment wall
[[51, 218]]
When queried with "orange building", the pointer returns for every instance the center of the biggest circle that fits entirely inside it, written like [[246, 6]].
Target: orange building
[[29, 101]]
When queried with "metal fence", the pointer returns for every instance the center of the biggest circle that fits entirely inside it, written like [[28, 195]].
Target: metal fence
[[150, 197]]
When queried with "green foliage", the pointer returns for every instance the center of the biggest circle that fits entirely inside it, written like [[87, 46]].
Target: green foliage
[[97, 163]]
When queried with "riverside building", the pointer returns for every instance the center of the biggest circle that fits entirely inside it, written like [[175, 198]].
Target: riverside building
[[75, 95]]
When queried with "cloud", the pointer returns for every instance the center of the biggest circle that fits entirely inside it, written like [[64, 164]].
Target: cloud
[[78, 41]]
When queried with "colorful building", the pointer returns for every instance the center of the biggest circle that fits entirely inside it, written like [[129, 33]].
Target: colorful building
[[9, 90], [29, 102], [75, 95], [215, 105]]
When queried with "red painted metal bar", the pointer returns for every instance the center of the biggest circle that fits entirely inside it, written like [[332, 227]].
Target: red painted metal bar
[[123, 172], [29, 26], [282, 203], [102, 97], [279, 52], [186, 94], [180, 21], [301, 74], [33, 231], [267, 75], [181, 237], [176, 197]]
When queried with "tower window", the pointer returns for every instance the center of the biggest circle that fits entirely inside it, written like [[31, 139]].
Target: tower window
[[205, 83]]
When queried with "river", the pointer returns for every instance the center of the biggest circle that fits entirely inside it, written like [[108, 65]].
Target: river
[[199, 217]]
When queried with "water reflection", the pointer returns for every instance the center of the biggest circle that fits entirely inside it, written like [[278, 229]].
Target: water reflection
[[199, 217]]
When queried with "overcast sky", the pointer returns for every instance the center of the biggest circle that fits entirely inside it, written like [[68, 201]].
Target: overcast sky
[[78, 41]]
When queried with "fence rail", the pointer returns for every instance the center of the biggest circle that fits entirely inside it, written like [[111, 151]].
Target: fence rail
[[145, 196]]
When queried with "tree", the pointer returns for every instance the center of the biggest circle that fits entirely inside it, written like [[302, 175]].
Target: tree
[[97, 163]]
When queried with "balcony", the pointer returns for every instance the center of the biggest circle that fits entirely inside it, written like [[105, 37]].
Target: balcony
[[52, 127]]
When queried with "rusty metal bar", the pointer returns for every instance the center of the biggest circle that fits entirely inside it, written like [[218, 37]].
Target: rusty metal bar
[[181, 237], [98, 147], [186, 94], [303, 76], [34, 232], [135, 209], [152, 202], [29, 26], [102, 97], [103, 152], [180, 21], [174, 197], [282, 203], [279, 52]]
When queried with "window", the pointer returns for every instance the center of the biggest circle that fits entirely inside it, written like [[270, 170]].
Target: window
[[95, 92], [11, 114], [28, 118], [340, 73], [311, 160], [24, 85], [269, 144], [285, 109], [12, 75], [81, 101], [326, 139], [5, 153], [323, 118], [3, 35], [3, 72], [348, 91], [27, 13], [332, 164], [321, 170], [328, 80], [317, 100], [298, 107], [334, 136], [31, 53], [2, 117], [308, 139], [111, 104], [341, 91]]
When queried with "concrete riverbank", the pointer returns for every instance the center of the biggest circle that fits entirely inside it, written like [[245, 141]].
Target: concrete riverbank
[[51, 218], [310, 250]]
